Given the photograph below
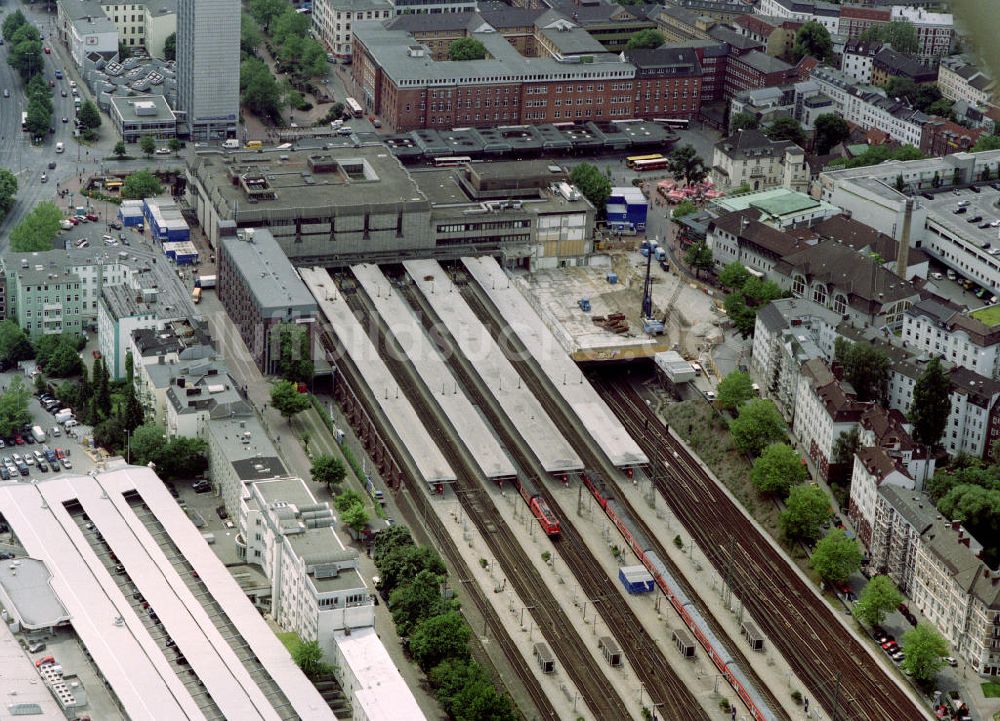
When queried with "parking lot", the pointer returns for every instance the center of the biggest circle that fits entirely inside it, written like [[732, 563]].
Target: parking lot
[[25, 447], [973, 217]]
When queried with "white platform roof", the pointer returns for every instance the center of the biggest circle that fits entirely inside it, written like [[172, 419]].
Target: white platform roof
[[144, 680], [590, 409], [381, 693], [394, 404], [479, 438], [518, 402], [20, 684]]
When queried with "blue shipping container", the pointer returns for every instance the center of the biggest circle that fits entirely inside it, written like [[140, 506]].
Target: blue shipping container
[[636, 579]]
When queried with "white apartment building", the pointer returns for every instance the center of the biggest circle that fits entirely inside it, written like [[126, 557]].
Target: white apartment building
[[789, 332], [750, 157], [901, 517], [858, 59], [823, 412], [961, 80], [827, 14], [956, 335], [332, 20], [868, 107], [872, 469], [159, 355], [935, 31], [201, 392], [145, 25], [316, 588]]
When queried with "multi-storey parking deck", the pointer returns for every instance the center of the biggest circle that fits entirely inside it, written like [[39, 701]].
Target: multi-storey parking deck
[[357, 346], [431, 368], [593, 413], [518, 403]]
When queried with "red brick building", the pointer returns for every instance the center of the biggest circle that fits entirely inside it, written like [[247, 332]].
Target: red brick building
[[668, 82], [940, 137], [756, 70], [854, 19]]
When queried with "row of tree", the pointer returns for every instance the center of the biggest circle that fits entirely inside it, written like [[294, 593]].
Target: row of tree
[[436, 634], [38, 229], [24, 51]]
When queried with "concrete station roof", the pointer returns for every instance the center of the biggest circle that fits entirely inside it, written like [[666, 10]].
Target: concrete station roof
[[385, 390], [524, 410], [477, 436], [565, 375]]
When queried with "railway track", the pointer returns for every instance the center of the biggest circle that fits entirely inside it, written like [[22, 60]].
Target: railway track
[[668, 694], [838, 672], [584, 446], [416, 501], [598, 693]]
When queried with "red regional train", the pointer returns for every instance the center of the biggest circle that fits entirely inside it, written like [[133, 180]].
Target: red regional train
[[539, 508]]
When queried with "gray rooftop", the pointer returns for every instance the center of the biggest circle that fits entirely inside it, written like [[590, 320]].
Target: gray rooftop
[[391, 51], [268, 273], [915, 507], [292, 184], [242, 438], [27, 584], [126, 107], [168, 300]]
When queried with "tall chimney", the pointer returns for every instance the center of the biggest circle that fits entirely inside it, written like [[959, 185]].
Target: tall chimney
[[903, 247]]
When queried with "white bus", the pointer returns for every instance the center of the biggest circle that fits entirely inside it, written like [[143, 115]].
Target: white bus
[[354, 107]]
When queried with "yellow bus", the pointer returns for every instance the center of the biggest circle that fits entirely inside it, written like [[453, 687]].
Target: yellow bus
[[633, 159], [196, 296], [113, 185], [254, 145]]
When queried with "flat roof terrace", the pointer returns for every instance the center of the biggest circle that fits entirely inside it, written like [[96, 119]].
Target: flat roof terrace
[[385, 391], [592, 411], [478, 438], [478, 346]]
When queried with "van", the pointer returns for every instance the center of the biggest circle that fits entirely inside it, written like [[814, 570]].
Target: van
[[231, 144], [344, 130], [950, 274], [254, 145], [60, 147]]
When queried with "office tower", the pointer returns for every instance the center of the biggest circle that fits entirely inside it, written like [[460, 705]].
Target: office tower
[[208, 67]]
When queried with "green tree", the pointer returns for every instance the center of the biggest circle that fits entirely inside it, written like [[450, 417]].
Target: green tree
[[417, 600], [183, 457], [120, 151], [133, 416], [25, 52], [102, 389], [110, 434], [877, 154], [978, 508], [147, 443], [438, 638], [12, 23], [777, 469], [866, 368], [757, 426], [594, 185], [786, 129], [288, 25], [743, 121], [38, 229], [141, 185], [735, 390], [699, 257], [925, 652], [877, 598], [170, 47], [743, 317], [685, 207], [645, 39], [147, 143], [845, 447], [356, 517], [8, 191], [961, 474], [308, 656], [14, 344], [831, 129], [466, 693], [466, 49], [250, 37], [734, 275], [812, 39], [931, 403], [285, 397], [329, 471], [901, 34], [39, 117], [398, 566], [259, 90], [685, 164], [64, 362], [175, 146], [14, 414], [90, 118], [294, 354], [986, 142], [806, 510], [265, 11], [390, 540], [942, 107], [836, 557]]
